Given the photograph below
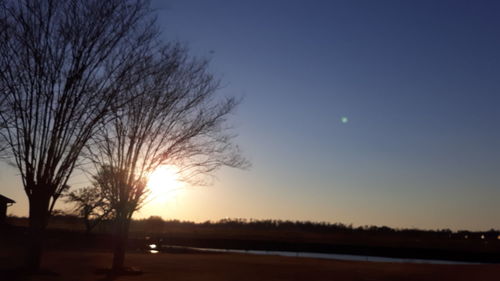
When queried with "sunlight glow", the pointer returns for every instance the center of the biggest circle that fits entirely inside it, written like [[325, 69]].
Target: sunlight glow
[[164, 183]]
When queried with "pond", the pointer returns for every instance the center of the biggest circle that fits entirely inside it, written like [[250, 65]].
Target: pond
[[155, 249]]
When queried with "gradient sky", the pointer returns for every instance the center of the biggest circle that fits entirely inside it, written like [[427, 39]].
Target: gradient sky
[[419, 82]]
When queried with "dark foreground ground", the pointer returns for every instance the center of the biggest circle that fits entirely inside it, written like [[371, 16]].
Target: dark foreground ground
[[82, 265]]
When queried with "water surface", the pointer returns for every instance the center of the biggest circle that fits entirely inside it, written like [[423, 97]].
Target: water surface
[[326, 256]]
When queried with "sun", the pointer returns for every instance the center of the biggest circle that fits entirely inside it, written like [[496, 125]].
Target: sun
[[163, 183]]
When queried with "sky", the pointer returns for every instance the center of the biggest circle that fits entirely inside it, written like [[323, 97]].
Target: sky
[[417, 82]]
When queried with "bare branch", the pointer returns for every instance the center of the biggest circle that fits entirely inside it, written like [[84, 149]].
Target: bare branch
[[174, 118], [63, 69]]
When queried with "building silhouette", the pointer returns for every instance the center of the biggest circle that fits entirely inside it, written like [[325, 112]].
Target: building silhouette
[[4, 203]]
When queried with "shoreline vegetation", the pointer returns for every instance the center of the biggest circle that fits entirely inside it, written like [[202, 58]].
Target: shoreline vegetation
[[272, 235]]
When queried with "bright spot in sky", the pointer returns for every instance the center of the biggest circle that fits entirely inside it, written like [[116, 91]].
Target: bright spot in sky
[[344, 120], [164, 183]]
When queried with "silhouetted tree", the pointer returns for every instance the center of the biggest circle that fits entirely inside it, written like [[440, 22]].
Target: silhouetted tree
[[91, 206], [63, 66], [175, 119]]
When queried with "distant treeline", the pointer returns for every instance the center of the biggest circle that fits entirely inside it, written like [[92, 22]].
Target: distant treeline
[[156, 224]]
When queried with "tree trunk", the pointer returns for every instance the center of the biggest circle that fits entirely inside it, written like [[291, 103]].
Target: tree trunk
[[38, 218], [88, 226], [120, 246]]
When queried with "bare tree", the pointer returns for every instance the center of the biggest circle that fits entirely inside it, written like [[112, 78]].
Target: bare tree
[[91, 206], [63, 66], [174, 119]]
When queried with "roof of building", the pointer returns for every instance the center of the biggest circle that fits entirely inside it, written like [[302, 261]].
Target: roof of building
[[4, 199]]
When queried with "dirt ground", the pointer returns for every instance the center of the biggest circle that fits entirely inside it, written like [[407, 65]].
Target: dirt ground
[[76, 266]]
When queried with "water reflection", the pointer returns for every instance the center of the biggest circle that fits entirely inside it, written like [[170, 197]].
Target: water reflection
[[318, 255]]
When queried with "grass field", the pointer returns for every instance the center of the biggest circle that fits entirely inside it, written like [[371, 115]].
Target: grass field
[[79, 266]]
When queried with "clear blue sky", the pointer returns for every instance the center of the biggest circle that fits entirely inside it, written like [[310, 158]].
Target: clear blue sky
[[418, 80]]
